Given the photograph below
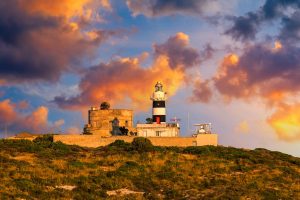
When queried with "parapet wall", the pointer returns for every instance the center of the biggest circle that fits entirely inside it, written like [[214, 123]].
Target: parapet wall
[[96, 140]]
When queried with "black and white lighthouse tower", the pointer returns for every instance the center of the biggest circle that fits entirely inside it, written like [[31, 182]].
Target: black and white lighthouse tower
[[159, 104]]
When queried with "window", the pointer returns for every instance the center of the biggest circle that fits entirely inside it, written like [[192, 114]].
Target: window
[[158, 133], [126, 123]]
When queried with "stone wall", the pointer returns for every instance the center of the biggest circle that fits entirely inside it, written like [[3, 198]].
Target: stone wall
[[100, 121], [96, 140]]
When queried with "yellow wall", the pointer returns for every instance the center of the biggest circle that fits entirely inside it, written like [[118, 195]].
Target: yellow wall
[[100, 120], [96, 140]]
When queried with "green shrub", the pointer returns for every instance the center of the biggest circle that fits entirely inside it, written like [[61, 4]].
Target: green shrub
[[76, 164], [141, 144], [119, 143], [44, 138], [199, 150]]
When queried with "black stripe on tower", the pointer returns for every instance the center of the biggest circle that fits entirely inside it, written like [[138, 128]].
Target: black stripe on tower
[[161, 117], [159, 104]]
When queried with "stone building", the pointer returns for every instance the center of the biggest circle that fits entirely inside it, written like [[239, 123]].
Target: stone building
[[104, 121]]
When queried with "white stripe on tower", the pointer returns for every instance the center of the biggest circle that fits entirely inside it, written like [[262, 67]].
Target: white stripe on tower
[[159, 111]]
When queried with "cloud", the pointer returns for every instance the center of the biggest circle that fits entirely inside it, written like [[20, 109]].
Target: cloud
[[286, 122], [7, 112], [59, 123], [35, 121], [40, 40], [124, 78], [202, 92], [260, 71], [272, 9], [22, 105], [207, 52], [73, 130], [15, 121], [120, 79], [178, 52], [242, 127], [290, 32], [267, 73], [151, 8], [246, 27]]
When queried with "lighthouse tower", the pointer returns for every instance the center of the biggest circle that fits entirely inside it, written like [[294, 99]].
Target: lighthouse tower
[[159, 104]]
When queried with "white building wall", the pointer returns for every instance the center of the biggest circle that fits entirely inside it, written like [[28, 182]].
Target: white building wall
[[157, 130]]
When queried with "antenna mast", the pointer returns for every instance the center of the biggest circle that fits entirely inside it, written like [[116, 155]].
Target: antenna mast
[[188, 122], [5, 130]]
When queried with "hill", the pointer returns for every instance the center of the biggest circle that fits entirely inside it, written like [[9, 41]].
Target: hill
[[43, 169]]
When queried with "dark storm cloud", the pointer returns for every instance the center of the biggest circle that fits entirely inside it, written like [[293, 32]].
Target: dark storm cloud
[[15, 22], [38, 46], [290, 31], [246, 27], [152, 8], [273, 8]]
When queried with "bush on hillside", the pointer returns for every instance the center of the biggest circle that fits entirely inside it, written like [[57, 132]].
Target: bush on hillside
[[141, 144], [119, 143], [44, 138]]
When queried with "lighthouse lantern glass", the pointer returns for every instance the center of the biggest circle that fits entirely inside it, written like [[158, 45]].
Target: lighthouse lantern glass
[[158, 87]]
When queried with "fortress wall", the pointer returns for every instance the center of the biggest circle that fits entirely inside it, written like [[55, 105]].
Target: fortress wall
[[205, 139], [89, 140], [173, 141], [96, 140]]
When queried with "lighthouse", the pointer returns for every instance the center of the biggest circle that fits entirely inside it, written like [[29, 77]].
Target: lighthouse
[[159, 104]]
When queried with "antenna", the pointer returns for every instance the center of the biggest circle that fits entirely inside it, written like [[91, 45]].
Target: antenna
[[188, 122], [175, 119], [5, 130]]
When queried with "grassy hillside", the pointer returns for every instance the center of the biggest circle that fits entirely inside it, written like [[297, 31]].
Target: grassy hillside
[[43, 169]]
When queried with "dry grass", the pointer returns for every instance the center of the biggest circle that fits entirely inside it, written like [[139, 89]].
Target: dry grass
[[68, 172]]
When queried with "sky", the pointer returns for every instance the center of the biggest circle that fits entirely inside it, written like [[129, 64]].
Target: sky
[[231, 63]]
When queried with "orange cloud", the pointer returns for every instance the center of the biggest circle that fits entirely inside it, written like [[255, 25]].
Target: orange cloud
[[270, 74], [125, 80], [286, 122], [242, 127], [7, 111], [231, 80], [15, 121], [65, 8], [277, 46], [37, 120]]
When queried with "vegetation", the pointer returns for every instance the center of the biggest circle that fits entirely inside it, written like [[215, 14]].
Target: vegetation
[[149, 120], [105, 106], [43, 169], [124, 130]]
